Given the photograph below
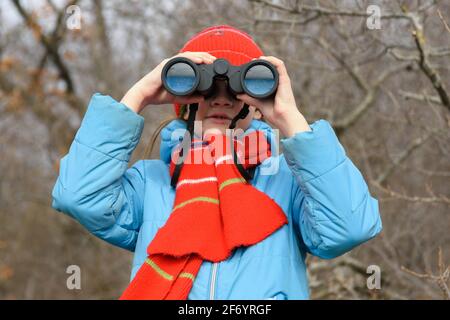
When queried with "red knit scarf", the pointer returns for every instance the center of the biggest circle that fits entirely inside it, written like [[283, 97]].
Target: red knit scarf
[[215, 211]]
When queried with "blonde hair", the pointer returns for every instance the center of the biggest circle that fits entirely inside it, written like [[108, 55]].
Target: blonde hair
[[151, 143]]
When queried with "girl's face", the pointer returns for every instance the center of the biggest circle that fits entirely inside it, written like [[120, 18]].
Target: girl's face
[[216, 111]]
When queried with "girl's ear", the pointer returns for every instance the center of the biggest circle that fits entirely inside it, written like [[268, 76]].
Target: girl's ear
[[257, 115]]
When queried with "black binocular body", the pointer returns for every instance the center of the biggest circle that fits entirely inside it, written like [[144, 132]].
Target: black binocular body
[[258, 78]]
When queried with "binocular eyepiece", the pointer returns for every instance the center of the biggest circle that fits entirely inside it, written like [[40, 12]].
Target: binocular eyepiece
[[258, 78]]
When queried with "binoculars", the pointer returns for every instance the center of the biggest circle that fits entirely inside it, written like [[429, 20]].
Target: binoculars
[[258, 78], [182, 77]]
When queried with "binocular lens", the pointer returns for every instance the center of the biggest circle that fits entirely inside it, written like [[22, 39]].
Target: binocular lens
[[181, 78], [259, 80]]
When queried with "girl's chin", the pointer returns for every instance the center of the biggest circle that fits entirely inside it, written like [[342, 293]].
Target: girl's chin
[[214, 130]]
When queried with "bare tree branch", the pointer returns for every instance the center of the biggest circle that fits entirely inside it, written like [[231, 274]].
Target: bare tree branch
[[401, 196], [51, 45], [447, 27], [424, 62], [420, 97], [441, 279], [322, 11], [368, 99], [416, 143]]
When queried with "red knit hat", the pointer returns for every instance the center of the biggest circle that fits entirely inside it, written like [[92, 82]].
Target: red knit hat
[[226, 42]]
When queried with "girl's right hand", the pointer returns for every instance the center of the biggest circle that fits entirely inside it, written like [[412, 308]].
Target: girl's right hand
[[150, 90]]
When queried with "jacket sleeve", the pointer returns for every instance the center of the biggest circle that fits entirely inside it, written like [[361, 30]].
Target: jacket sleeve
[[94, 185], [333, 209]]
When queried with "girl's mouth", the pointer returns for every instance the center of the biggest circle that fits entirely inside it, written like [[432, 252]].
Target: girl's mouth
[[219, 118]]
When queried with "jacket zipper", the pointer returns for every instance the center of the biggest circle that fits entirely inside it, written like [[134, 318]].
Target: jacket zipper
[[212, 288]]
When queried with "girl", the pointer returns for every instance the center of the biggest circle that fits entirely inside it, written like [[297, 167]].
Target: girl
[[214, 235]]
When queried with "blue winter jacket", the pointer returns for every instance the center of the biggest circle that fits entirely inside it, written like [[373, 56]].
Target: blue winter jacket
[[324, 196]]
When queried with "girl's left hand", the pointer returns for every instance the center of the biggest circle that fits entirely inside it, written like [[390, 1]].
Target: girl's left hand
[[280, 111]]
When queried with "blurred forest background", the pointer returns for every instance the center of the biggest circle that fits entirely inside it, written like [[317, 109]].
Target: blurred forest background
[[385, 90]]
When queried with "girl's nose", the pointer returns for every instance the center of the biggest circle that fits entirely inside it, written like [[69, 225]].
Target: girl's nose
[[221, 98]]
